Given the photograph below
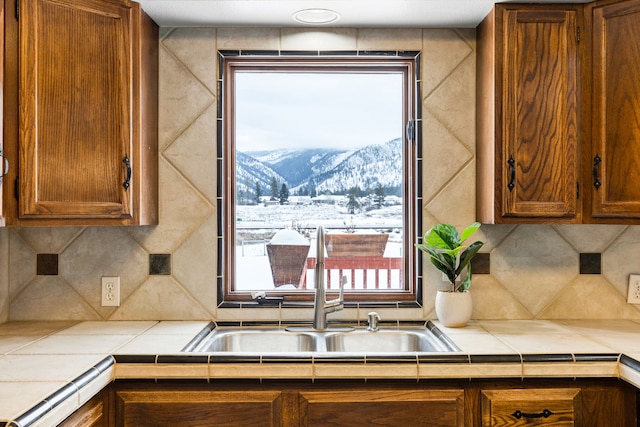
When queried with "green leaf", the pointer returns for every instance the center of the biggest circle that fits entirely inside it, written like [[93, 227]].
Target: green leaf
[[444, 236], [467, 255], [469, 231], [466, 283]]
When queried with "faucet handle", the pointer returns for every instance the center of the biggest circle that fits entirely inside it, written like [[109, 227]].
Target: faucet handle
[[343, 282], [373, 320]]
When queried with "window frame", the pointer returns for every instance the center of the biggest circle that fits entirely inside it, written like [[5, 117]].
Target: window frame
[[406, 62]]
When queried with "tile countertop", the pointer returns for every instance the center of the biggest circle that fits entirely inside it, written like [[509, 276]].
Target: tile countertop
[[49, 369]]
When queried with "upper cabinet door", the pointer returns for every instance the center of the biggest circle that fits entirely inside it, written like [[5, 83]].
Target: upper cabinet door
[[75, 108], [614, 163], [540, 89], [528, 115]]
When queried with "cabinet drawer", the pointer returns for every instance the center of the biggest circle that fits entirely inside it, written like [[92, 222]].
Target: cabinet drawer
[[531, 407]]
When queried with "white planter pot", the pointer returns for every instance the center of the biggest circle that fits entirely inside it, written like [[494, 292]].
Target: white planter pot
[[454, 308]]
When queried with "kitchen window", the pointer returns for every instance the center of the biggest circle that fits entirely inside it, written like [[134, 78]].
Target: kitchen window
[[318, 139]]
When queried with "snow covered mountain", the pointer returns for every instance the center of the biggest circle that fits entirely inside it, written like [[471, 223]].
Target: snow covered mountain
[[322, 170]]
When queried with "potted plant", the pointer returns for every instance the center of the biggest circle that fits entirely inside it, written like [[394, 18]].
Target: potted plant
[[451, 256]]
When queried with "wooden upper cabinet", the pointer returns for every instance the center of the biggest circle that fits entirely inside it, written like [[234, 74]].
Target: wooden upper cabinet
[[3, 161], [87, 117], [613, 164], [528, 130]]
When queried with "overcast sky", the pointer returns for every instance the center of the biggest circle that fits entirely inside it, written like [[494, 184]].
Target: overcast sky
[[294, 110]]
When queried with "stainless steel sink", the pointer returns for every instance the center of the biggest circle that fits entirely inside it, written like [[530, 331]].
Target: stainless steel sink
[[385, 341], [273, 340], [257, 341]]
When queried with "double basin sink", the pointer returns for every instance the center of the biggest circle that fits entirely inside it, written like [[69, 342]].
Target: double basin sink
[[347, 340]]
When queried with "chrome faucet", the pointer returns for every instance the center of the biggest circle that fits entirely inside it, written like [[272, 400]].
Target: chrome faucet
[[321, 307]]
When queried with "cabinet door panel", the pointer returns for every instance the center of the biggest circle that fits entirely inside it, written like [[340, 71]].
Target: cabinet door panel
[[615, 149], [198, 408], [399, 408], [75, 108], [540, 113]]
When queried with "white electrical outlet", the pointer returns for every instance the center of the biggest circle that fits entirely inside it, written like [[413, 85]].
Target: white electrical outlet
[[111, 291], [633, 297]]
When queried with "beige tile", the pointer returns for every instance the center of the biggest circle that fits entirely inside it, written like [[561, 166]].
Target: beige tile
[[530, 343], [130, 327], [4, 275], [177, 328], [492, 301], [84, 262], [389, 39], [446, 155], [160, 297], [14, 404], [99, 383], [569, 370], [470, 370], [248, 38], [155, 344], [534, 263], [461, 187], [38, 329], [196, 48], [10, 343], [182, 210], [75, 344], [524, 327], [48, 239], [599, 327], [318, 39], [617, 261], [257, 370], [182, 98], [443, 50], [194, 265], [590, 238], [22, 264], [50, 298], [630, 375], [45, 367], [620, 342], [193, 153], [177, 370], [453, 103], [589, 297], [59, 413], [480, 344]]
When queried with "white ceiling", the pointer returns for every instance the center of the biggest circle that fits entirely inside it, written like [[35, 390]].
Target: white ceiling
[[353, 13]]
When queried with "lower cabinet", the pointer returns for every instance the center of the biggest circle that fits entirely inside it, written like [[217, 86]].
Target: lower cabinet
[[591, 403], [94, 413], [605, 403], [382, 407]]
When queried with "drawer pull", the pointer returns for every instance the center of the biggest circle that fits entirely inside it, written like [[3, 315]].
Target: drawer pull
[[127, 164], [544, 414], [512, 173], [596, 171]]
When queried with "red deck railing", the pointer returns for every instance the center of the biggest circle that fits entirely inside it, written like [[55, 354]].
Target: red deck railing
[[358, 269]]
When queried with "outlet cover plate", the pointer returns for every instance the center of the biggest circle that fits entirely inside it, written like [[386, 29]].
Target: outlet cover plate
[[633, 297], [111, 291]]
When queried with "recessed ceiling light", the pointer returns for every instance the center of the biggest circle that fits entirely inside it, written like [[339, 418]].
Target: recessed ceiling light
[[316, 16]]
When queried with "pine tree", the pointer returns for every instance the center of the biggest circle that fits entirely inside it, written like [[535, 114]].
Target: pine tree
[[379, 198], [352, 200], [274, 189], [284, 194], [258, 192]]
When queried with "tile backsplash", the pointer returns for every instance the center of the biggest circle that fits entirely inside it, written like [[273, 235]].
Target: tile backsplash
[[534, 270]]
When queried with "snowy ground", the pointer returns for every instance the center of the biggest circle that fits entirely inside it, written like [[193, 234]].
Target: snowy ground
[[257, 224]]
